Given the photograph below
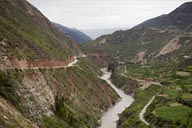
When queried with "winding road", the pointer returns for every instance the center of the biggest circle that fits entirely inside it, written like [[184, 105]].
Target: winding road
[[71, 64], [141, 114], [111, 116]]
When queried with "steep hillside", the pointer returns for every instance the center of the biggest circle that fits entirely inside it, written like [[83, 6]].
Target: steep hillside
[[159, 39], [37, 89], [78, 36], [26, 35], [73, 96]]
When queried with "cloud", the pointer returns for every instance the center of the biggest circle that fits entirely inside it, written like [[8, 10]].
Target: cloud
[[86, 14]]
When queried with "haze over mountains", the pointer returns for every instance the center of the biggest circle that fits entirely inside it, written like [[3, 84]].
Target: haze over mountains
[[78, 36], [94, 33]]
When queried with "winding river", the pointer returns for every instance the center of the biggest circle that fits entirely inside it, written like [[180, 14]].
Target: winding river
[[111, 116]]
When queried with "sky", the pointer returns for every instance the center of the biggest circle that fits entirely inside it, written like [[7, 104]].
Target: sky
[[97, 14]]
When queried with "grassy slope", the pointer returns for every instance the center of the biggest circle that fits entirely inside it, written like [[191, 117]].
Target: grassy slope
[[28, 34], [126, 44], [174, 113]]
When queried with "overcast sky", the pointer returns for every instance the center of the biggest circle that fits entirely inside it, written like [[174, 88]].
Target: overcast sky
[[95, 14]]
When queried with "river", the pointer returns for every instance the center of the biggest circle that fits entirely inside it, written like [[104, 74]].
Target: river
[[111, 116]]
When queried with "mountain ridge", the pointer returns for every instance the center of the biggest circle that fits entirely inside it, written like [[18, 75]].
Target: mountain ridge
[[78, 36], [43, 31], [145, 42], [177, 19]]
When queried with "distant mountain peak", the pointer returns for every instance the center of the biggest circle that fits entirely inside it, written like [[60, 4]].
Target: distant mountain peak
[[178, 19], [73, 33], [184, 8]]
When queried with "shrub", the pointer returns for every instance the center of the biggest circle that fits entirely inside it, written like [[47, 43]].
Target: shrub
[[63, 111], [7, 89]]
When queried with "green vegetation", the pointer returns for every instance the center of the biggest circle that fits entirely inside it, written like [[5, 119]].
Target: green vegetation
[[63, 111], [174, 113], [130, 117], [8, 90], [125, 45], [89, 65], [55, 122], [175, 93], [146, 71], [81, 95], [34, 36], [187, 96], [146, 52]]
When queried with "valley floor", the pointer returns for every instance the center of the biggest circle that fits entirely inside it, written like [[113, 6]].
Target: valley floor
[[162, 95], [112, 115]]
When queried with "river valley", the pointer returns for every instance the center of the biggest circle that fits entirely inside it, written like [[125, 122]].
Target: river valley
[[111, 116]]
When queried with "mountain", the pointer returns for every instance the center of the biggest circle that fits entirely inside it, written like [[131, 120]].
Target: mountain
[[94, 33], [153, 62], [27, 35], [78, 36], [180, 19], [37, 88], [166, 37]]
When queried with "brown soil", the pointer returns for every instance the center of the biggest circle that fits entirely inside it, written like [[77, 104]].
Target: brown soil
[[38, 63], [170, 47]]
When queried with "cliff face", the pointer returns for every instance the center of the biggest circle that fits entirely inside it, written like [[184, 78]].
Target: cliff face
[[33, 93]]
